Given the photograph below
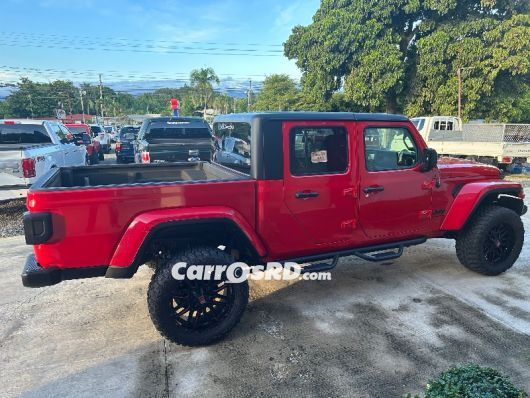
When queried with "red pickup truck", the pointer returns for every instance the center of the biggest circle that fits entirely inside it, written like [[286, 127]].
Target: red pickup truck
[[304, 187]]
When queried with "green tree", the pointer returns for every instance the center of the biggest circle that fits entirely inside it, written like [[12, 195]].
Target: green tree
[[397, 55], [279, 93], [202, 82]]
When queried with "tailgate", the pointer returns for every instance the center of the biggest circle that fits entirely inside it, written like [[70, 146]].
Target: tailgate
[[10, 165], [171, 150]]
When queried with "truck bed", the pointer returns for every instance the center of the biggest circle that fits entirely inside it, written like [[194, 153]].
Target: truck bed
[[120, 175], [92, 206]]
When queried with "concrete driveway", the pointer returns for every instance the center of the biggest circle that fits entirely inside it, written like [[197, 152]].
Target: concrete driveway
[[372, 331]]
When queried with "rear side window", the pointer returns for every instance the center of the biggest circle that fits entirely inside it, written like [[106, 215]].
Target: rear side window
[[233, 145], [23, 134], [318, 150], [389, 148], [177, 133]]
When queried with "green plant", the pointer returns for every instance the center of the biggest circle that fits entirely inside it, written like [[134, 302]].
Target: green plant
[[471, 381]]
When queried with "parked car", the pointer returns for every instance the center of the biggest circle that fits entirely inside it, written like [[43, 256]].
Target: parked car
[[99, 134], [169, 139], [112, 132], [29, 149], [318, 186], [125, 144], [82, 134]]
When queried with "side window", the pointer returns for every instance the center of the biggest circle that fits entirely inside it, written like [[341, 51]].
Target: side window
[[318, 150], [389, 148], [436, 125], [234, 145], [56, 128]]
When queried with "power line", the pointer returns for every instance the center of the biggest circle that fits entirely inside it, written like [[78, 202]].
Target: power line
[[123, 74], [128, 40], [228, 54]]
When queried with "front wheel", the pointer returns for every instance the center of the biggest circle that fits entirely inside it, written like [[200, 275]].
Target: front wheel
[[492, 242], [195, 313]]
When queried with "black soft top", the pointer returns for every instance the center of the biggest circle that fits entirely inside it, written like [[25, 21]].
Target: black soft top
[[264, 116]]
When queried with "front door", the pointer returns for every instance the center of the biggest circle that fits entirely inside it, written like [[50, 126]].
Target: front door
[[318, 180], [395, 195]]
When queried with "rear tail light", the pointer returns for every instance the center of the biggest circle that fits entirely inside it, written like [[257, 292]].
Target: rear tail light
[[28, 168], [9, 122], [118, 147], [146, 158], [521, 194], [507, 159]]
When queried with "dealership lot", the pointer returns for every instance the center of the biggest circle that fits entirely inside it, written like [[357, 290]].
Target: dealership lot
[[373, 330]]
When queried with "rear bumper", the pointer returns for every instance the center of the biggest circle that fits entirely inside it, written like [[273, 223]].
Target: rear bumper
[[33, 275]]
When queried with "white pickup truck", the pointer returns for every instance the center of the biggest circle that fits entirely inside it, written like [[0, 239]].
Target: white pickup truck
[[29, 148], [499, 144]]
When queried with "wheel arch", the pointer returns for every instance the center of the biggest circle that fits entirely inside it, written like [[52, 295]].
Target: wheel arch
[[183, 227], [473, 196]]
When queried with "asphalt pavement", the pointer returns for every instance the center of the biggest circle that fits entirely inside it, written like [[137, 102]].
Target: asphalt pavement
[[374, 330]]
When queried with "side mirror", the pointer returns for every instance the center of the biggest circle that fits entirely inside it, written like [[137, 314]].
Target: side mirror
[[430, 159]]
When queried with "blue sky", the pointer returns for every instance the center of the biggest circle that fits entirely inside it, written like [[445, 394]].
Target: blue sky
[[144, 40]]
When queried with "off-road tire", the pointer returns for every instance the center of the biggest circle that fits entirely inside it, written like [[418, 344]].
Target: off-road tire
[[471, 242], [160, 299]]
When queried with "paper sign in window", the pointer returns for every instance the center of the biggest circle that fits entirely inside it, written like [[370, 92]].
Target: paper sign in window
[[319, 157]]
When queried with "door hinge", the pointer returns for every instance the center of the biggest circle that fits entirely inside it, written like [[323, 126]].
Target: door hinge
[[349, 224]]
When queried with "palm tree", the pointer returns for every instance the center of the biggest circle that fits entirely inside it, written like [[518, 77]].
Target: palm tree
[[201, 81]]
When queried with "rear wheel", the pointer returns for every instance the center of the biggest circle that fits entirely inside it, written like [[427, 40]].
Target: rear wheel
[[492, 242], [195, 313]]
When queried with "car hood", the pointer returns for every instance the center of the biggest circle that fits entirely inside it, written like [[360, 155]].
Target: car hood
[[454, 168]]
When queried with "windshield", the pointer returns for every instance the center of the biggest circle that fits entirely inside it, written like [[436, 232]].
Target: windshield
[[128, 133], [23, 134], [418, 122], [76, 130], [178, 132], [127, 136], [82, 137], [96, 129]]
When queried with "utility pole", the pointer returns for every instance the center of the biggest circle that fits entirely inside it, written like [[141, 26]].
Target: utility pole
[[101, 97], [459, 75], [81, 93], [31, 106], [249, 96]]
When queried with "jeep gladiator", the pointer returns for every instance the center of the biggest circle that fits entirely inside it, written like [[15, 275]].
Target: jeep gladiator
[[318, 186]]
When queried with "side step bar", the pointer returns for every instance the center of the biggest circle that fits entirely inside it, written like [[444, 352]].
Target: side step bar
[[389, 251]]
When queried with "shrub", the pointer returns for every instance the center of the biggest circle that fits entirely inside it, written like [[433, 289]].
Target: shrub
[[471, 381]]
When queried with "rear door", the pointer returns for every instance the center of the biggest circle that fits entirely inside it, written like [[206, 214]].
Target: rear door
[[319, 187], [395, 195]]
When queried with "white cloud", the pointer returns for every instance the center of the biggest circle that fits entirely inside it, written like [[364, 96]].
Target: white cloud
[[286, 15]]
